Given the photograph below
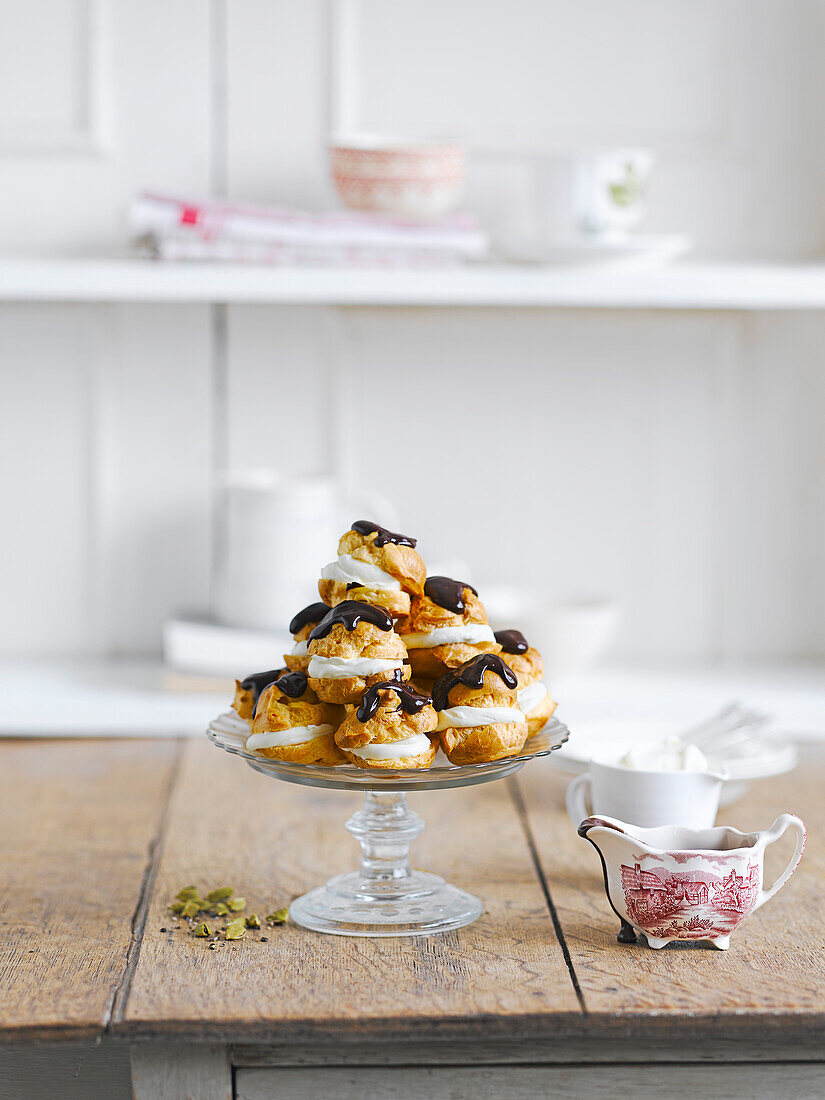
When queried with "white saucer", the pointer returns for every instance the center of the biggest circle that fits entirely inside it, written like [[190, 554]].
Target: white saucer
[[632, 253]]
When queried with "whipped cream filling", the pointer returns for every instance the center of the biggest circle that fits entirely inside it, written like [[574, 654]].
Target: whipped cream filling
[[672, 755], [299, 649], [469, 634], [530, 697], [349, 570], [462, 717], [295, 735], [394, 750], [339, 668]]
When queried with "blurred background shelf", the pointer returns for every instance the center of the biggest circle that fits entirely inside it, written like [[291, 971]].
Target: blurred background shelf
[[712, 286], [140, 698]]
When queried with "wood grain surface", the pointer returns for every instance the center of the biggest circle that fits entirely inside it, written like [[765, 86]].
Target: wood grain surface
[[272, 841], [727, 1082], [78, 822], [772, 977]]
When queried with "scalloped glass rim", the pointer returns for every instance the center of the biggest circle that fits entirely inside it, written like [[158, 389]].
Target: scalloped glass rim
[[229, 733]]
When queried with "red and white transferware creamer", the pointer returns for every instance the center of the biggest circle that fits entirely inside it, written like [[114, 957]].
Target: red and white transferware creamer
[[673, 883]]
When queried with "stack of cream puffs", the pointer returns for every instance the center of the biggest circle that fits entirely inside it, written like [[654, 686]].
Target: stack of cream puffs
[[392, 665]]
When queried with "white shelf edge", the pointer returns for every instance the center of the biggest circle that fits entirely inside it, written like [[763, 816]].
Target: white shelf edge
[[678, 287]]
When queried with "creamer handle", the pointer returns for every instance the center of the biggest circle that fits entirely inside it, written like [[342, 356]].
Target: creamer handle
[[576, 798], [778, 829]]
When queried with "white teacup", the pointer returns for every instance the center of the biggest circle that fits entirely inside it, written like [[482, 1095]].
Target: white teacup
[[645, 798]]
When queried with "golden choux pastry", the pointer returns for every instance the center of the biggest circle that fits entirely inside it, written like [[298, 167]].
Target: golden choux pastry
[[247, 692], [533, 697], [446, 626], [352, 647], [478, 714], [374, 566], [291, 724], [393, 727], [297, 660]]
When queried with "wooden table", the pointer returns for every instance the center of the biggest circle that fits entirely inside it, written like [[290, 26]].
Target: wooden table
[[536, 996]]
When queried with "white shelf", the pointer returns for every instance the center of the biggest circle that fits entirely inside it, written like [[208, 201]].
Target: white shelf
[[681, 286], [137, 698]]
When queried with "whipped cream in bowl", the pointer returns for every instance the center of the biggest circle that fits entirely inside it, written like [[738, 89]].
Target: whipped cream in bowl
[[671, 755], [669, 782]]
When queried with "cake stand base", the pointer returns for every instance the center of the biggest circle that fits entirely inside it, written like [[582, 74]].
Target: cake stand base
[[386, 897]]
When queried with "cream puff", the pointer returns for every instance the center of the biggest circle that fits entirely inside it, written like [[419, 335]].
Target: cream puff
[[248, 691], [394, 727], [446, 626], [353, 647], [533, 696], [291, 724], [478, 715], [374, 566], [300, 626]]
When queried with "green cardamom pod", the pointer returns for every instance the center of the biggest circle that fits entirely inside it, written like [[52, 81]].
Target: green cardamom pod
[[236, 929]]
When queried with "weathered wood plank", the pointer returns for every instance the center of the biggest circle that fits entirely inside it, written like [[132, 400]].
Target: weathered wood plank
[[272, 841], [772, 980], [606, 1050], [727, 1082], [180, 1071], [78, 821]]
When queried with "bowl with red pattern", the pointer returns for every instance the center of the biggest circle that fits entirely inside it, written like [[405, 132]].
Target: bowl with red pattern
[[415, 179]]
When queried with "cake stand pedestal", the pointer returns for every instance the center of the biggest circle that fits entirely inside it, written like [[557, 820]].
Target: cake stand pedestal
[[385, 897]]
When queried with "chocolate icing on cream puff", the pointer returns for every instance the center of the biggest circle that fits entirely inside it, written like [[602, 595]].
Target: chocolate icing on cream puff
[[409, 699], [349, 613], [471, 675], [382, 535], [447, 593], [312, 613], [258, 681], [293, 684], [512, 641]]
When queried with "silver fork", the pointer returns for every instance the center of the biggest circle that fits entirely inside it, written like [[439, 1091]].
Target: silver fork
[[730, 732]]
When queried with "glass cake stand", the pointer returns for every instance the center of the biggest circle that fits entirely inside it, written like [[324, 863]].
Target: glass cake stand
[[386, 897]]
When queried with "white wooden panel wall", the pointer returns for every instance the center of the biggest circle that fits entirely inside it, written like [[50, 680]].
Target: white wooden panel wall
[[672, 461]]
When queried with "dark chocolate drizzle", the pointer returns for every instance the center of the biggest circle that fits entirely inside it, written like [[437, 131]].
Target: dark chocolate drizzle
[[447, 593], [312, 613], [512, 641], [382, 535], [409, 699], [291, 684], [471, 674], [349, 614], [260, 680]]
